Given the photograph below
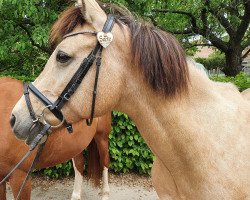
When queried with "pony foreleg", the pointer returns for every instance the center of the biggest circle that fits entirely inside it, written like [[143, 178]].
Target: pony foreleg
[[163, 182], [105, 184], [16, 181], [101, 139], [3, 191], [78, 164]]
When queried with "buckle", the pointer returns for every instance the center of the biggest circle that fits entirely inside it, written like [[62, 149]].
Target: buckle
[[69, 128], [66, 97], [35, 120]]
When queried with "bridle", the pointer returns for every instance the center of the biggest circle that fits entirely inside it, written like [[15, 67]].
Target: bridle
[[76, 80], [64, 97]]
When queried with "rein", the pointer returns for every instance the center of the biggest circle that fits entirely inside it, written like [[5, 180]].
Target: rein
[[64, 97], [32, 146], [41, 139]]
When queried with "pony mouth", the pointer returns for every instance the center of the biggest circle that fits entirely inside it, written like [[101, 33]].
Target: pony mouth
[[19, 136]]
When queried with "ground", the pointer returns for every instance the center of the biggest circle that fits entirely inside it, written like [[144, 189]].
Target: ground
[[123, 187]]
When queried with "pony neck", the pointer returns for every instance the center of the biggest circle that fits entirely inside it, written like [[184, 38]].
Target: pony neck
[[197, 136], [162, 120]]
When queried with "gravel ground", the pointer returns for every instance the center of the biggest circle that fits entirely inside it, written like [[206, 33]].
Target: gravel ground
[[122, 187]]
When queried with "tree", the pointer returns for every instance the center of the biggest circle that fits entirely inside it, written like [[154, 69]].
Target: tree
[[223, 24], [25, 26]]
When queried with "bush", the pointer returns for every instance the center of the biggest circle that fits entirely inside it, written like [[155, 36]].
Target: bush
[[128, 151], [242, 81], [19, 77], [60, 170], [214, 61]]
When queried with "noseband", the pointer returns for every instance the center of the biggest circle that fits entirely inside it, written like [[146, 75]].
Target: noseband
[[74, 83]]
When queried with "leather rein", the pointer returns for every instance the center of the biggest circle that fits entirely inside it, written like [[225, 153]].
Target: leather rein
[[64, 97]]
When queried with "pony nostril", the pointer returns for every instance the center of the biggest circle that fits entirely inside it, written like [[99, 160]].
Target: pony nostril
[[12, 121]]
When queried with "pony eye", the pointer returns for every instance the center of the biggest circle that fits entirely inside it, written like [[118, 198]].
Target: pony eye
[[62, 57]]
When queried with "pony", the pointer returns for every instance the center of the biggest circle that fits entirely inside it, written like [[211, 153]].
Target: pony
[[198, 130], [246, 94], [59, 148]]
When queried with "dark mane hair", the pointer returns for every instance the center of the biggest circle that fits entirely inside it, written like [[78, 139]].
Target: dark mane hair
[[158, 54], [66, 23]]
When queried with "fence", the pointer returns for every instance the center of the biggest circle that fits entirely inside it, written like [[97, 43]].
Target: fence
[[218, 72], [246, 70], [215, 72]]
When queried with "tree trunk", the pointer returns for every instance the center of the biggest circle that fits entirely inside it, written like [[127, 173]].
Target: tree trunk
[[233, 62]]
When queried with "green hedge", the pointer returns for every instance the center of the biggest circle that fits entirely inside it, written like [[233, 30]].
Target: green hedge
[[60, 170], [242, 81], [128, 151], [214, 61], [19, 77]]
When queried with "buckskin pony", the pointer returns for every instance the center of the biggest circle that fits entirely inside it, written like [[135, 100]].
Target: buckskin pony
[[59, 148], [198, 130], [246, 94]]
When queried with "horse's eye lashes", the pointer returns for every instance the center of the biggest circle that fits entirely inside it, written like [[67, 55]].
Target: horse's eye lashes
[[62, 57]]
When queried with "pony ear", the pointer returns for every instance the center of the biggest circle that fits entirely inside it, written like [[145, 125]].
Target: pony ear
[[93, 13]]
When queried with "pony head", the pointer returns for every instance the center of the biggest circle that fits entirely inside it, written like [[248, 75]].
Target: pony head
[[138, 52]]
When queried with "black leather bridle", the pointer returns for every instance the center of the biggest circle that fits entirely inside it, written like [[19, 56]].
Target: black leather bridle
[[56, 107], [76, 80]]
